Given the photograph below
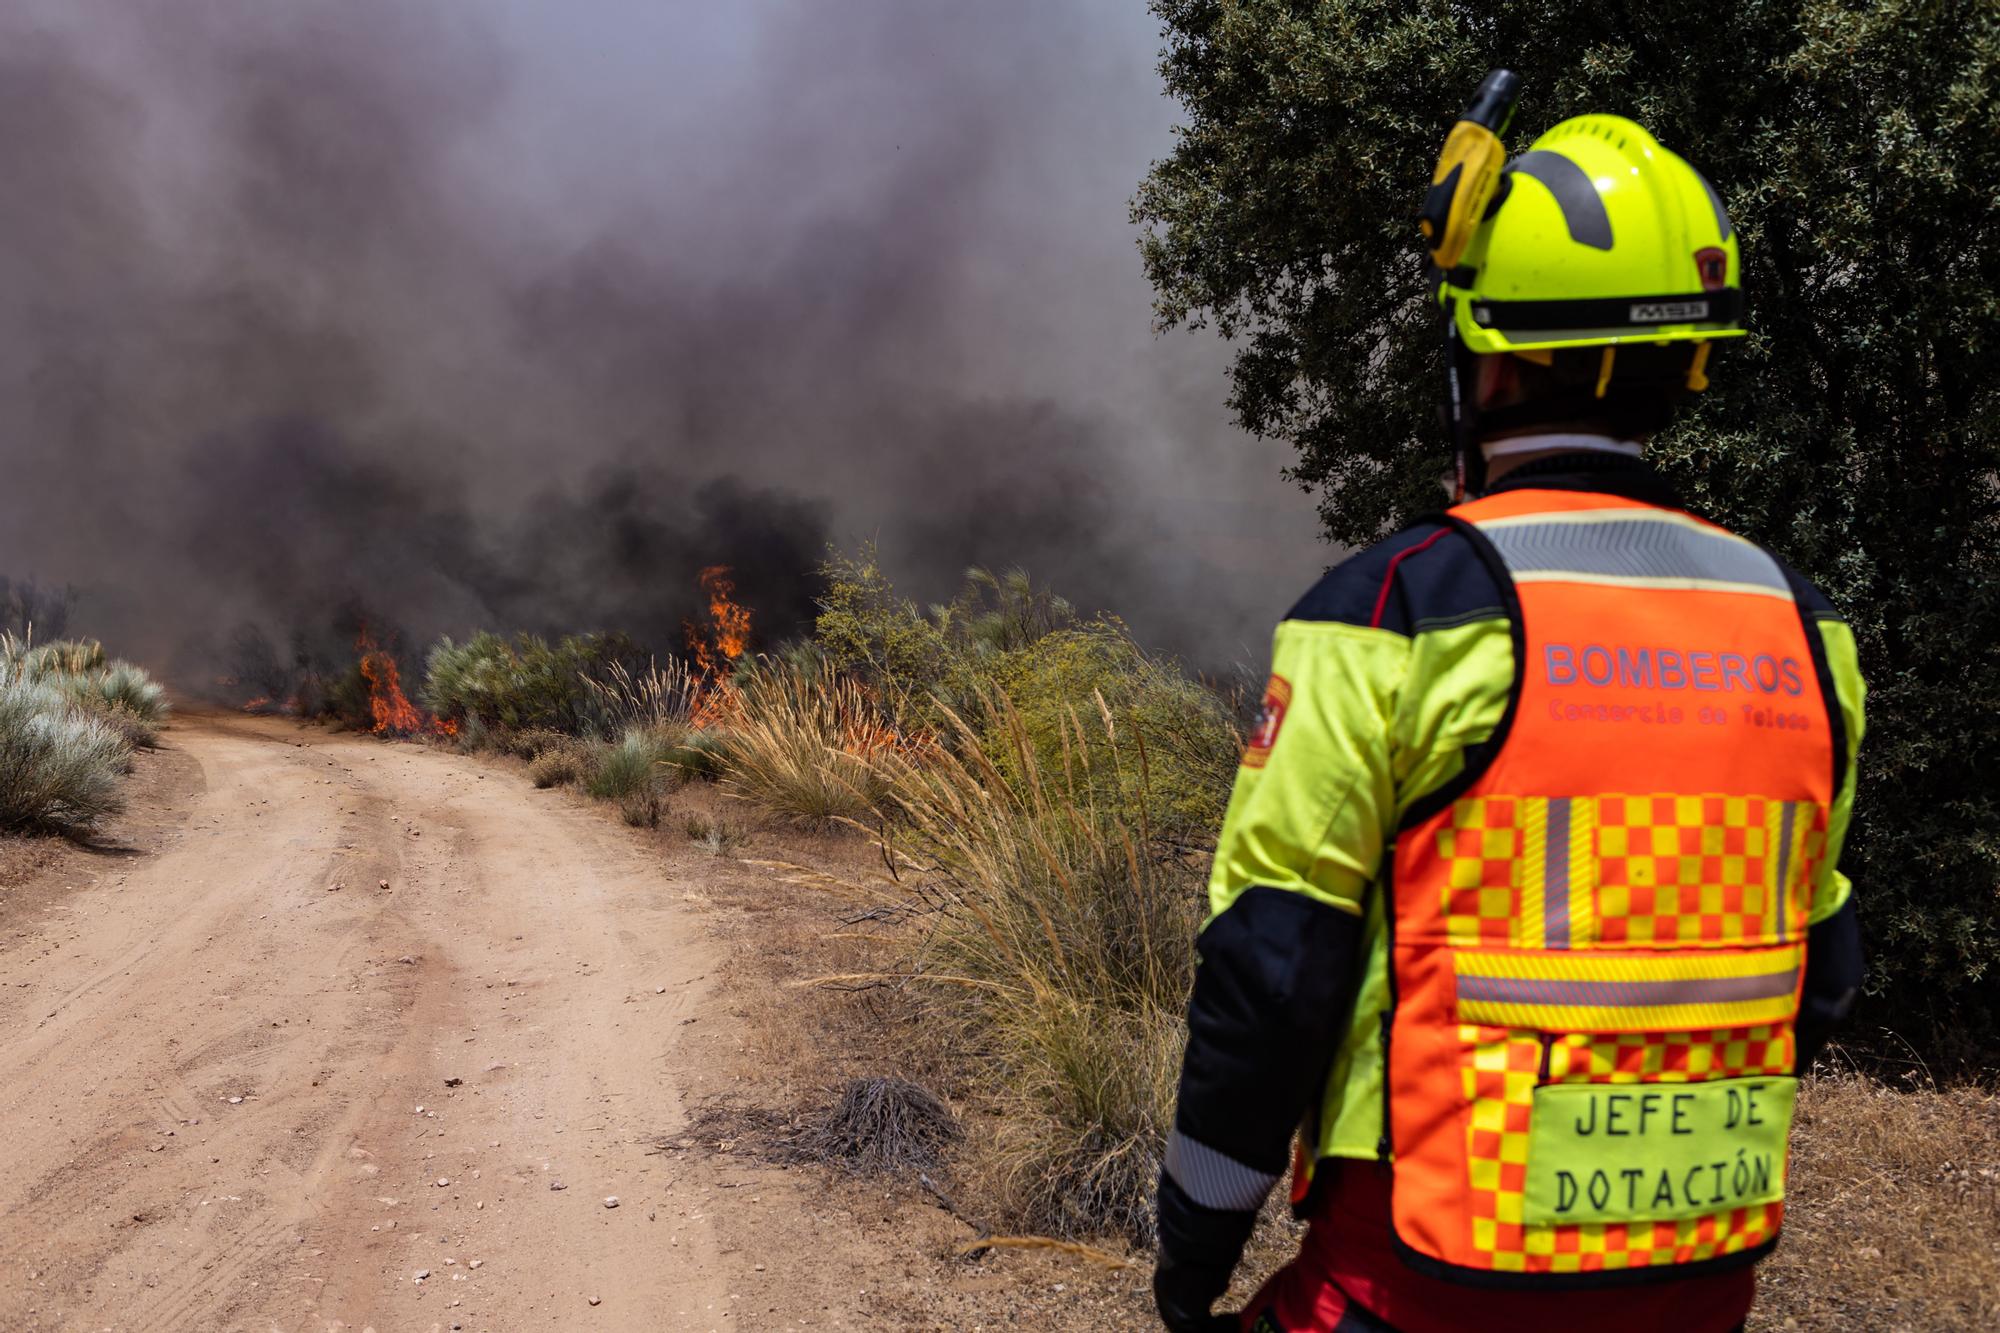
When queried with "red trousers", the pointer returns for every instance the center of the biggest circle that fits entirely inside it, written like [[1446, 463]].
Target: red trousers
[[1348, 1278]]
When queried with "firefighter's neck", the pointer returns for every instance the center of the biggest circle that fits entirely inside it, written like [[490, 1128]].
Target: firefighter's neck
[[1505, 453]]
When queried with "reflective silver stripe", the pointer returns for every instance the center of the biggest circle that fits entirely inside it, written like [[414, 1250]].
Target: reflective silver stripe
[[1628, 548], [1555, 876], [1214, 1180], [1627, 994], [1784, 903]]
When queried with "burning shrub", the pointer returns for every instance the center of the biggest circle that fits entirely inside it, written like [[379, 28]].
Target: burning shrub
[[801, 747], [59, 766], [1066, 942], [346, 699]]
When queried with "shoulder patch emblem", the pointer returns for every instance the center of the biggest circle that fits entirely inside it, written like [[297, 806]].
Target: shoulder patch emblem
[[1277, 698]]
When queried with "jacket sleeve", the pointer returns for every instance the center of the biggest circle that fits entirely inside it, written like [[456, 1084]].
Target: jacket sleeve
[[1831, 890], [1834, 960], [1302, 840]]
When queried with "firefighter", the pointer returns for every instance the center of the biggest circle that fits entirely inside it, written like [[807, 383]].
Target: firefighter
[[1525, 913]]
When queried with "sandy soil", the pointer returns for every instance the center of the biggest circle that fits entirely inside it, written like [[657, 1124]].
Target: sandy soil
[[212, 1062], [243, 1086]]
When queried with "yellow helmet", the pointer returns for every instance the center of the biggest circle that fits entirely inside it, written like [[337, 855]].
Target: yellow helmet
[[1596, 236]]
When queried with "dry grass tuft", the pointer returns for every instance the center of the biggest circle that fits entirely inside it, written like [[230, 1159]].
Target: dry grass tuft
[[660, 698], [559, 766], [800, 747], [643, 809], [1893, 1216], [531, 743], [717, 837], [1064, 934], [877, 1125]]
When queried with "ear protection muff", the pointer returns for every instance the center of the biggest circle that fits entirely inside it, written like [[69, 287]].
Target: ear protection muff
[[1468, 168], [1461, 187]]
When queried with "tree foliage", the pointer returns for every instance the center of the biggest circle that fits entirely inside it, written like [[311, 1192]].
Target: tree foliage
[[1857, 146]]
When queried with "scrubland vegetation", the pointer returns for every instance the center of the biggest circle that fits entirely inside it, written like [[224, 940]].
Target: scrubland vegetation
[[1043, 794], [1043, 791], [70, 719]]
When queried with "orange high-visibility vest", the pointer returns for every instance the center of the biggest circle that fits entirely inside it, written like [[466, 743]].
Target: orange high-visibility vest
[[1598, 931]]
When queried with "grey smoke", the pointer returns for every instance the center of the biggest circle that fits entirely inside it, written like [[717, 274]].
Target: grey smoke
[[518, 320]]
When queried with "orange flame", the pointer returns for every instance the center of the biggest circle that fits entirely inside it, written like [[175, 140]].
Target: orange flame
[[391, 709], [728, 632], [715, 650]]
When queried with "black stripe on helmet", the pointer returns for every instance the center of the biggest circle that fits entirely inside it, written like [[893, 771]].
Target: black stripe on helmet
[[1583, 212]]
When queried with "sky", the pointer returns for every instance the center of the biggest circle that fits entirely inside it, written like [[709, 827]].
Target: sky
[[515, 315]]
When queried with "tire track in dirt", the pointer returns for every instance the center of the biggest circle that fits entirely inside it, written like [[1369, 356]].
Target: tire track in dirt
[[238, 1098]]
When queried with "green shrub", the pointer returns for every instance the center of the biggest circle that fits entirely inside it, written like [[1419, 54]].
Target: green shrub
[[917, 664], [116, 693], [121, 685], [867, 631], [524, 684], [59, 765], [474, 737], [629, 767], [1123, 727]]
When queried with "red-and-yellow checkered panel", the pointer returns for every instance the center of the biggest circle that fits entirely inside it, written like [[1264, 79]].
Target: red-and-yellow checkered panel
[[1485, 847], [1500, 1071], [1630, 871]]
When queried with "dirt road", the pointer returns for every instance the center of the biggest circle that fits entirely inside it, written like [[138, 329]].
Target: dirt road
[[243, 1086]]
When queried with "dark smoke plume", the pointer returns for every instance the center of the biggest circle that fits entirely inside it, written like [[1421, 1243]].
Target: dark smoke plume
[[326, 310]]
